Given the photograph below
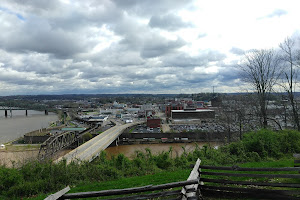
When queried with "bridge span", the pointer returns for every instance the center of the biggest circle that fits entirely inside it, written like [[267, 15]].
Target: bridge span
[[92, 148]]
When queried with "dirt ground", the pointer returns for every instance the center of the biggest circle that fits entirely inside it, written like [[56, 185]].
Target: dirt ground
[[16, 156]]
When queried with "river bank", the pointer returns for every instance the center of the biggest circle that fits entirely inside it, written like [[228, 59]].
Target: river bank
[[18, 155]]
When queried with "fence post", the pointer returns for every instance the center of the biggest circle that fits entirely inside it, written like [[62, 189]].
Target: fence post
[[58, 194], [190, 192]]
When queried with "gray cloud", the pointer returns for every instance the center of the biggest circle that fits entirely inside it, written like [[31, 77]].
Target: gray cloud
[[204, 57], [102, 47], [150, 8], [157, 46], [44, 39], [237, 51], [169, 22]]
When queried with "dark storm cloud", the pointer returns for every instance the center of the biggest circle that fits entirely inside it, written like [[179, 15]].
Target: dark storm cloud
[[169, 22]]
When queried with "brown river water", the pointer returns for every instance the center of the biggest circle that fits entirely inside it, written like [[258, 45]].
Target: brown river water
[[177, 148]]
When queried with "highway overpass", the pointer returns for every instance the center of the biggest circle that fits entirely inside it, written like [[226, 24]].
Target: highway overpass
[[92, 148]]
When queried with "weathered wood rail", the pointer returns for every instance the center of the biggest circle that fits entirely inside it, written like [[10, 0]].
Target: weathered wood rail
[[189, 190], [240, 182], [296, 160]]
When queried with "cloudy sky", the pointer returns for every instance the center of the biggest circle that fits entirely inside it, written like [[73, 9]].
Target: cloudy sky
[[135, 46]]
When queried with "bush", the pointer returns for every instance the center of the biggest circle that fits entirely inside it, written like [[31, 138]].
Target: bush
[[9, 177], [268, 143]]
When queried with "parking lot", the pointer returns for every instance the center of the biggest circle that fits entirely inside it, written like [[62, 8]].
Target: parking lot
[[144, 129]]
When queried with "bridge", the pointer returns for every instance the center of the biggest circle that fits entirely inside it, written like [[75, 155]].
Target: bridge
[[10, 109], [92, 148], [58, 142]]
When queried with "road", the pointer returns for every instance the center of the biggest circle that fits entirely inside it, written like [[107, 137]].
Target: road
[[92, 148]]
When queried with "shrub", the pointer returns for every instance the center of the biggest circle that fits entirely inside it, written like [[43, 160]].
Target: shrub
[[9, 177], [268, 143]]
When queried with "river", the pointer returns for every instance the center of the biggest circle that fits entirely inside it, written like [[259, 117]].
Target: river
[[15, 126], [177, 148]]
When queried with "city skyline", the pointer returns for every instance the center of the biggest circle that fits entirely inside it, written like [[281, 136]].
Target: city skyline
[[127, 46]]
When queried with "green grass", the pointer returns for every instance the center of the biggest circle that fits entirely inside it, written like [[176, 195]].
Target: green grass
[[131, 130], [277, 163], [163, 177], [151, 179]]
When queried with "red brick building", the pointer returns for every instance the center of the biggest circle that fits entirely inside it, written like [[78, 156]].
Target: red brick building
[[153, 122], [171, 107]]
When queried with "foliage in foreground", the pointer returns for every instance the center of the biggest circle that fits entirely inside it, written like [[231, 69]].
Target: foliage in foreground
[[34, 178]]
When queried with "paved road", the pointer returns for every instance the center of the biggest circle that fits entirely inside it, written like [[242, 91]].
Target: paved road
[[92, 148]]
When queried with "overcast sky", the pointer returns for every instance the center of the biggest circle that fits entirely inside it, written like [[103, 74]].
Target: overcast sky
[[135, 46]]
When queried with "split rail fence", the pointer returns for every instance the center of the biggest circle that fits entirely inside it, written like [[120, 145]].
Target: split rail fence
[[296, 160], [211, 181], [189, 190], [258, 183]]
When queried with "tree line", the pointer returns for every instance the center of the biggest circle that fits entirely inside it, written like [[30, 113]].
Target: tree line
[[273, 70]]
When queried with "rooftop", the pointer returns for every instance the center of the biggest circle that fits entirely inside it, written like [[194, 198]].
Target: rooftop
[[201, 110]]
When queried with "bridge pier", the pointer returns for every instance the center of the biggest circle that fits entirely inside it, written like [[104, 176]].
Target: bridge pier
[[117, 141]]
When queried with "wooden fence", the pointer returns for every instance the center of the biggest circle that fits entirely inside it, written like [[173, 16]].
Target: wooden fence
[[205, 181], [189, 190], [296, 160], [258, 183]]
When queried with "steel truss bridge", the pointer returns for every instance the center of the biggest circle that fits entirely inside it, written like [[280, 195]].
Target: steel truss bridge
[[92, 148], [58, 142]]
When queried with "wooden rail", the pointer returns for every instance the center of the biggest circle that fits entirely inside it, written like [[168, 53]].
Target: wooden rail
[[237, 184], [189, 190], [296, 160]]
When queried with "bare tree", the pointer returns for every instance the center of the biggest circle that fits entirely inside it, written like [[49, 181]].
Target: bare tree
[[290, 58], [260, 68]]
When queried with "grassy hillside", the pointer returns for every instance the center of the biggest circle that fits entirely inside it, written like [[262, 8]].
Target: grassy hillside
[[261, 149]]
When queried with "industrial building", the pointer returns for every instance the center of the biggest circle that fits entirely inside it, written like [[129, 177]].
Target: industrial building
[[171, 107], [193, 114]]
